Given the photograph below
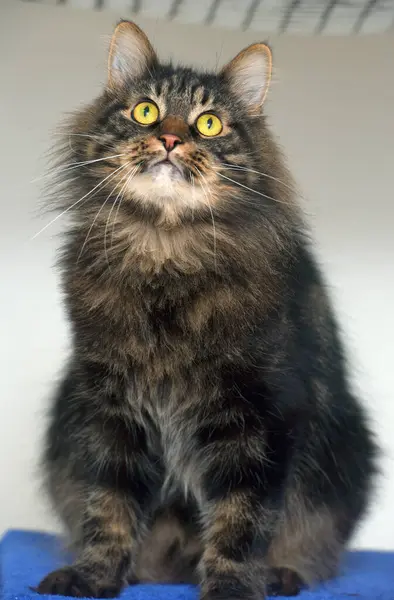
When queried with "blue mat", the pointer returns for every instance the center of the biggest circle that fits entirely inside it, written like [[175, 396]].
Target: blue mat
[[26, 557]]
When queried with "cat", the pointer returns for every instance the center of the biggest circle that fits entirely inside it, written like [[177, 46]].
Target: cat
[[204, 430]]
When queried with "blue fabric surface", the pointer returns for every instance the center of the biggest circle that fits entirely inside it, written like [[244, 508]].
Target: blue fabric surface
[[26, 557]]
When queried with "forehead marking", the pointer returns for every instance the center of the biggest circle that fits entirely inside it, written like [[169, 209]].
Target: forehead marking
[[199, 108], [201, 100], [159, 100], [200, 95]]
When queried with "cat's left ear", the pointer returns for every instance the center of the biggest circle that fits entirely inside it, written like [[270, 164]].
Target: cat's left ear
[[249, 75], [130, 54]]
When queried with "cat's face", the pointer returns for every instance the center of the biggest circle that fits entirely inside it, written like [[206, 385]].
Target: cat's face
[[168, 135]]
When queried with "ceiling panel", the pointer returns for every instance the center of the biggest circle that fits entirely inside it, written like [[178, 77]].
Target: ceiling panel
[[299, 17]]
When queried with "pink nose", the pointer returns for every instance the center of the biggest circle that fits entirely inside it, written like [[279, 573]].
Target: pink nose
[[170, 140]]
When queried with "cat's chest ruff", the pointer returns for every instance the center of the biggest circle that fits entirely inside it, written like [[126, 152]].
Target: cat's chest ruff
[[153, 250]]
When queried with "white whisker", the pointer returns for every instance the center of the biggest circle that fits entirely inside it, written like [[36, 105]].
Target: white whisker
[[71, 166], [242, 168], [91, 136], [251, 190], [129, 176], [77, 202], [212, 217], [110, 213], [193, 184], [97, 215]]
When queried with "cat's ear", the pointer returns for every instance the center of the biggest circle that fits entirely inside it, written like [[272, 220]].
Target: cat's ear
[[130, 54], [249, 75]]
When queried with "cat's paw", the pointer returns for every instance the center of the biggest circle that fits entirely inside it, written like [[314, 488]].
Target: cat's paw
[[69, 582], [284, 582]]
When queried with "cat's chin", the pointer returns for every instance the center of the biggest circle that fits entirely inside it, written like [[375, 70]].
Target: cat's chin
[[164, 185]]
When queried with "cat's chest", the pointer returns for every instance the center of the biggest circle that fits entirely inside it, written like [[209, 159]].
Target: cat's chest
[[161, 332], [167, 410], [158, 324]]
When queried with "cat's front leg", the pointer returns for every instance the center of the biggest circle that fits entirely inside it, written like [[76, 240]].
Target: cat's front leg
[[105, 549], [240, 487], [101, 473], [238, 530]]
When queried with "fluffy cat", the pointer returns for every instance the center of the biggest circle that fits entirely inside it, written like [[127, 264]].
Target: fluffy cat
[[204, 429]]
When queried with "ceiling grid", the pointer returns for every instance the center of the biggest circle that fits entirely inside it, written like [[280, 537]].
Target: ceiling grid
[[299, 17]]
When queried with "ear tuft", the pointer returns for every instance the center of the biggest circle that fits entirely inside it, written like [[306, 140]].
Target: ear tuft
[[249, 75], [130, 54]]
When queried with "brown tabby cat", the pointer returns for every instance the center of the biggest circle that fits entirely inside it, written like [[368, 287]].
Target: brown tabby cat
[[204, 430]]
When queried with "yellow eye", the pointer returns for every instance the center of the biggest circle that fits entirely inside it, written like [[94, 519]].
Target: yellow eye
[[146, 113], [209, 125]]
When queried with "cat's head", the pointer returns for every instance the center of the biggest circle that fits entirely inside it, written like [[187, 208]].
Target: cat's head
[[170, 141]]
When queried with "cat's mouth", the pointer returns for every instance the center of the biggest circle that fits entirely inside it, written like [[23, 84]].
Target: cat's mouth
[[165, 169]]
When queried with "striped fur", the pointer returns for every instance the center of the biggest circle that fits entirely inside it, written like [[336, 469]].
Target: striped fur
[[204, 429]]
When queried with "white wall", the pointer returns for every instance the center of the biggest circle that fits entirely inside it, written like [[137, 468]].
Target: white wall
[[332, 106]]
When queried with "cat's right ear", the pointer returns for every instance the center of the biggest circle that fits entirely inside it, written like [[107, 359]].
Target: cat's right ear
[[249, 75], [130, 54]]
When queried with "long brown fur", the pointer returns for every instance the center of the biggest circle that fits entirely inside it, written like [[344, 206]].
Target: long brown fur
[[204, 430]]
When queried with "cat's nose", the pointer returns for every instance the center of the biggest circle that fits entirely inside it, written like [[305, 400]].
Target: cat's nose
[[170, 140]]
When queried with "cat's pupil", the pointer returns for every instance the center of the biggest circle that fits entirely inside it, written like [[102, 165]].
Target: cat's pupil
[[146, 111], [209, 123]]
